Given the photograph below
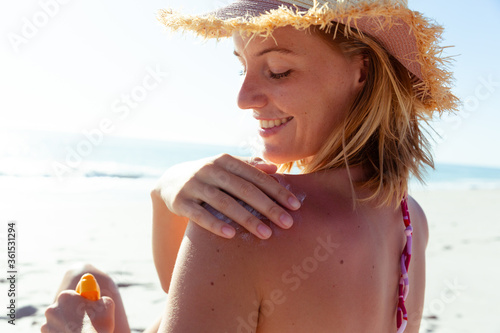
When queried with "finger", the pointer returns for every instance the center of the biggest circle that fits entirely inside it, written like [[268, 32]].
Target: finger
[[250, 194], [224, 204], [266, 168], [52, 315], [108, 303], [67, 294], [264, 182], [260, 164], [102, 314], [255, 159], [45, 328], [194, 212]]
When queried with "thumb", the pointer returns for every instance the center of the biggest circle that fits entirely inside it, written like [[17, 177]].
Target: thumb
[[103, 319], [109, 304], [264, 166]]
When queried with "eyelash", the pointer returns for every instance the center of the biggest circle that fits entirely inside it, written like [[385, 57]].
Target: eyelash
[[274, 76], [277, 76]]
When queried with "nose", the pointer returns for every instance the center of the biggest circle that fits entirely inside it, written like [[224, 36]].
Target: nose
[[252, 94]]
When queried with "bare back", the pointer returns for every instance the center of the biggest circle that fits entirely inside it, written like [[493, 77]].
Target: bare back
[[335, 270]]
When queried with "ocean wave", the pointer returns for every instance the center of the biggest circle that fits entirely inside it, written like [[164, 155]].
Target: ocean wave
[[117, 170], [48, 155], [47, 168], [447, 178]]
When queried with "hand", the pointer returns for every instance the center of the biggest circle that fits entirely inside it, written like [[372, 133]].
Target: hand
[[73, 313], [216, 181]]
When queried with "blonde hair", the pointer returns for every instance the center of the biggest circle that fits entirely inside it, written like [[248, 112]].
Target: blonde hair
[[382, 132]]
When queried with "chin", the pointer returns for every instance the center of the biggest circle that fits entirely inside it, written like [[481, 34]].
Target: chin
[[278, 157]]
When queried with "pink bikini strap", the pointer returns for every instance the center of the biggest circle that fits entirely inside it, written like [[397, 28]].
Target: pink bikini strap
[[404, 284]]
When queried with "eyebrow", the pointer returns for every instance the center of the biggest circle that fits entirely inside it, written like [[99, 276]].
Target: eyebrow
[[268, 50]]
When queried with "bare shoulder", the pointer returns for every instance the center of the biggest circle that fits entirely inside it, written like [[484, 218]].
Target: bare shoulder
[[418, 219], [222, 254], [213, 278], [415, 301]]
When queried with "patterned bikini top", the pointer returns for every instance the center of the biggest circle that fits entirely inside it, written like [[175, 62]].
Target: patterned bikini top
[[404, 284]]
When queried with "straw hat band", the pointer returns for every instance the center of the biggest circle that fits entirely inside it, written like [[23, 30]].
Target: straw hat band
[[311, 3], [251, 8], [242, 8], [304, 3]]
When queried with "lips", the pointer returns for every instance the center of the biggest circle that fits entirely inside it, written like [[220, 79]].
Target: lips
[[270, 127], [271, 123]]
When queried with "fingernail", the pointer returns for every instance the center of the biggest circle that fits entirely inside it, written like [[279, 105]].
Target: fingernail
[[264, 231], [294, 202], [228, 231], [286, 220]]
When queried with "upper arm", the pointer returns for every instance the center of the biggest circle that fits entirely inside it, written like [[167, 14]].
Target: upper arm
[[420, 220], [168, 231], [415, 301], [213, 288]]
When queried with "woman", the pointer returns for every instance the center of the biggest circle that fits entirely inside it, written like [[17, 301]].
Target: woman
[[339, 89]]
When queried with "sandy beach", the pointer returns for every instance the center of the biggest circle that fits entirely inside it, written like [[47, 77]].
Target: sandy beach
[[107, 222], [461, 261]]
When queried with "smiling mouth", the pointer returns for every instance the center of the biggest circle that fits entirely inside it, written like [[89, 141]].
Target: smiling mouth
[[266, 124]]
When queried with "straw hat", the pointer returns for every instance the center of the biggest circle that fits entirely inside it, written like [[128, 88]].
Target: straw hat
[[407, 35]]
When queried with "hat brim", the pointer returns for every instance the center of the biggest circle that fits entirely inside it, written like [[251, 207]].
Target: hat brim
[[408, 36]]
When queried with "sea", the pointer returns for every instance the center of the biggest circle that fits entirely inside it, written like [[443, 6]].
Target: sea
[[35, 154]]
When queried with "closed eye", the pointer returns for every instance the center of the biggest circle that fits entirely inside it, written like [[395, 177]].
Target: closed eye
[[277, 76], [274, 76]]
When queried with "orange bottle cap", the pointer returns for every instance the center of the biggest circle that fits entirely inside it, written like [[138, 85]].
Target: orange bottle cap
[[88, 287]]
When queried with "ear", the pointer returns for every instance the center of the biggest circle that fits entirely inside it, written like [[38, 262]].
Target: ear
[[364, 70], [362, 65]]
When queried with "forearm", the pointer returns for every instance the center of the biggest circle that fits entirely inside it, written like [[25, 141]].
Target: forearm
[[168, 231]]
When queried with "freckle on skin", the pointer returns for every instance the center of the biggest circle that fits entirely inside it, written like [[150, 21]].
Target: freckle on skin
[[341, 262], [211, 283]]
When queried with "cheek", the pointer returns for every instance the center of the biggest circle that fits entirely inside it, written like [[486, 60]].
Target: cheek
[[327, 113], [338, 97], [324, 127]]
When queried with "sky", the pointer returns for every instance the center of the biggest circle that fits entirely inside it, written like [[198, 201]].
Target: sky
[[109, 66]]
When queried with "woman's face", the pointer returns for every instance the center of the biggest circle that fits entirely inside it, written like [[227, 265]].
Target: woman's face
[[300, 89]]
